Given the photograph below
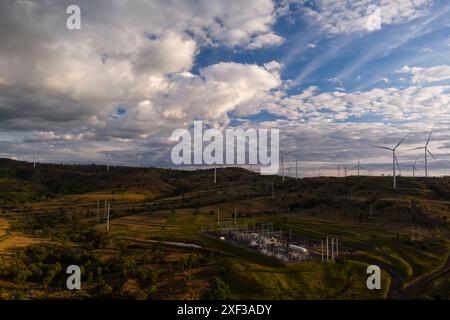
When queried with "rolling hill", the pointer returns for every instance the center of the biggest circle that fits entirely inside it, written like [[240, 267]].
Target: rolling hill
[[54, 215]]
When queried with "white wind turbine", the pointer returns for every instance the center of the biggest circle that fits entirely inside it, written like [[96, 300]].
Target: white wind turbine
[[359, 166], [35, 158], [109, 161], [283, 155], [427, 151], [394, 159], [414, 168]]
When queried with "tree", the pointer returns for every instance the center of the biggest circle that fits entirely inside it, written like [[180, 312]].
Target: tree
[[218, 290], [105, 290], [51, 274]]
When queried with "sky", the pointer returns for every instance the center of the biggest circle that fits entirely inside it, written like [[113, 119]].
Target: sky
[[333, 76]]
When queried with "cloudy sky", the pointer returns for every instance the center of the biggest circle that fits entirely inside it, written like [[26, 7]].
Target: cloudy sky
[[324, 72]]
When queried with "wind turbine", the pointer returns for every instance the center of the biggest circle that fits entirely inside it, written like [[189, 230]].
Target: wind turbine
[[109, 161], [283, 154], [35, 157], [427, 151], [358, 167], [394, 159], [414, 169]]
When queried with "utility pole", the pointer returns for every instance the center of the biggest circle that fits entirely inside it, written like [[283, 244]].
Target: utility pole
[[321, 244], [332, 248], [35, 156], [345, 171], [327, 249], [107, 217]]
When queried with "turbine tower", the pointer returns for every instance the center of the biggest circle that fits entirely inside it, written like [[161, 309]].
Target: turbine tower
[[394, 159], [426, 151], [35, 158], [414, 168], [109, 161]]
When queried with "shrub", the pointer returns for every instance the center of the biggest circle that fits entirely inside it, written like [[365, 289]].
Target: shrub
[[218, 290]]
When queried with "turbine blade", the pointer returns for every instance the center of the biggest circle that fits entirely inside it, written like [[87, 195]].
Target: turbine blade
[[380, 147], [400, 142], [429, 137], [292, 151], [432, 155], [416, 148]]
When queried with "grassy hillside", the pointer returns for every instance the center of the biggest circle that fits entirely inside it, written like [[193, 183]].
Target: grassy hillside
[[59, 211]]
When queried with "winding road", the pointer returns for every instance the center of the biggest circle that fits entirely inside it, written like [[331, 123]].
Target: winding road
[[418, 286]]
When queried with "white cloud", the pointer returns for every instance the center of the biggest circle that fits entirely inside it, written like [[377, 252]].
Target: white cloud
[[168, 54], [126, 52], [425, 50], [349, 16], [391, 105], [47, 136], [266, 40], [219, 89], [427, 75]]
